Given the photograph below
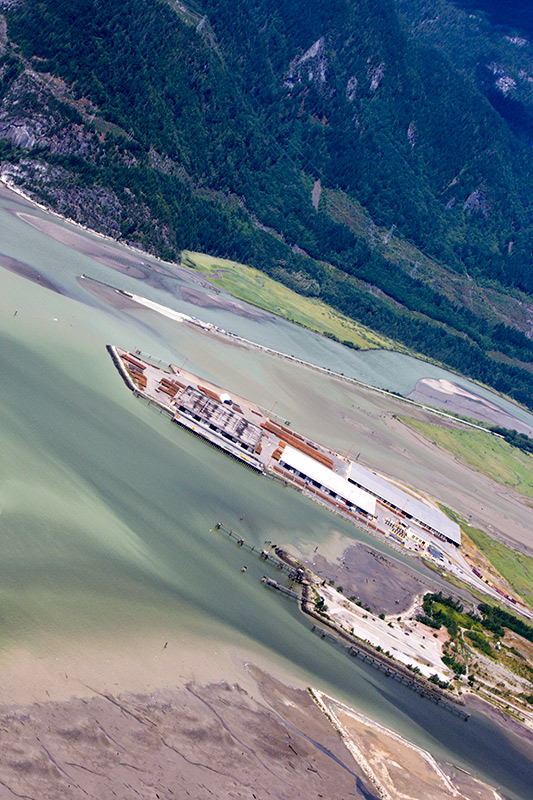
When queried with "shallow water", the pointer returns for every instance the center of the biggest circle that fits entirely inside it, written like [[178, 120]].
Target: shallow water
[[106, 507], [50, 253]]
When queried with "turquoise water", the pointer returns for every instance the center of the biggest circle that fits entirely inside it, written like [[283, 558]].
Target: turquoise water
[[106, 508]]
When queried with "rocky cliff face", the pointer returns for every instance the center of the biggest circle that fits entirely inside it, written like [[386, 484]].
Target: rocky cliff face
[[32, 116], [208, 130], [312, 67], [51, 130]]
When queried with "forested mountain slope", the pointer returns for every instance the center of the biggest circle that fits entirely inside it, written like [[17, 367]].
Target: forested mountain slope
[[288, 135], [494, 55]]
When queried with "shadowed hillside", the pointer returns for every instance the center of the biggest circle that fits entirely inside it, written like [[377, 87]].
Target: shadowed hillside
[[328, 144]]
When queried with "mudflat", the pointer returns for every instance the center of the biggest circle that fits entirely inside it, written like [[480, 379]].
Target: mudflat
[[216, 740], [445, 394], [373, 578]]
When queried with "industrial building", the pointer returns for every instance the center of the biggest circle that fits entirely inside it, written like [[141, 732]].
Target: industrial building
[[337, 487], [430, 519], [219, 417], [244, 431]]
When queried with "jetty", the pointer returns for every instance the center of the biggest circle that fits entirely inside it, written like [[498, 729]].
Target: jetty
[[279, 587], [294, 571]]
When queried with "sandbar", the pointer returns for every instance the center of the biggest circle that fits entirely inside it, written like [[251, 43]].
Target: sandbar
[[25, 271], [445, 394]]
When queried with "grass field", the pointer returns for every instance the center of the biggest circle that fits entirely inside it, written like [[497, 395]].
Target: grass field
[[515, 567], [488, 454], [258, 289]]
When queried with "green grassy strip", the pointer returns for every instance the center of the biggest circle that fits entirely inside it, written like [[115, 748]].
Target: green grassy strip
[[515, 567], [488, 454], [247, 283]]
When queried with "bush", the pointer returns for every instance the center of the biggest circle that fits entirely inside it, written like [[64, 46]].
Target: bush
[[437, 681], [450, 662], [320, 606], [432, 623], [496, 619], [479, 641], [444, 601]]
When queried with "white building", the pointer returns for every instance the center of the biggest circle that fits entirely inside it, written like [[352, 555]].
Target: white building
[[337, 487]]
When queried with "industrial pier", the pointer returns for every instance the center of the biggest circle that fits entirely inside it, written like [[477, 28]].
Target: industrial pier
[[270, 446]]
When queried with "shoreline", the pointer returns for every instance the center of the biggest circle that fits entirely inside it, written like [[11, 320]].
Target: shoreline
[[331, 708], [11, 186], [248, 343], [261, 731], [478, 703]]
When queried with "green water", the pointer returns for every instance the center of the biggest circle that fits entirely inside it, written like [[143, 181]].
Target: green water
[[106, 507]]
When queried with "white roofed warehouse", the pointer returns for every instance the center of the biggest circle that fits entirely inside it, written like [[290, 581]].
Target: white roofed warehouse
[[428, 517], [247, 432], [337, 487]]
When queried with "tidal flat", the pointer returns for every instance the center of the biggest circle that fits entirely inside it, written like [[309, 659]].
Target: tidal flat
[[221, 740], [111, 580]]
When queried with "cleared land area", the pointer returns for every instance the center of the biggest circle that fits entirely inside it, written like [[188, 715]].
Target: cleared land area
[[255, 287], [492, 456], [419, 650]]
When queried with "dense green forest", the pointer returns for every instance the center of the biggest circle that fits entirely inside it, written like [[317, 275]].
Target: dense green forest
[[512, 437], [206, 126]]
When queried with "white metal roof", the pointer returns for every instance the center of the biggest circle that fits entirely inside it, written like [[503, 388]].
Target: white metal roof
[[326, 477], [382, 488]]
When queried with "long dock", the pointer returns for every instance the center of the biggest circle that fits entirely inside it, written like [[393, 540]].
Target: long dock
[[240, 429], [279, 587], [262, 553]]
